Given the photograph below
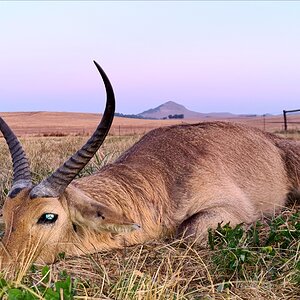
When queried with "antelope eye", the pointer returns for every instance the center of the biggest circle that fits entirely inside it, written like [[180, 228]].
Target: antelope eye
[[47, 218]]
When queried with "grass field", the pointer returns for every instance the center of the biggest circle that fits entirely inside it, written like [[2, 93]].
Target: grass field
[[261, 261], [82, 124]]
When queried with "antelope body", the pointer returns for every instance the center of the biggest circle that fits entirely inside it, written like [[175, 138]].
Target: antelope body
[[180, 180]]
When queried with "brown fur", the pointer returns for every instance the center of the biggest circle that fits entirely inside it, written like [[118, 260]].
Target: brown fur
[[181, 179]]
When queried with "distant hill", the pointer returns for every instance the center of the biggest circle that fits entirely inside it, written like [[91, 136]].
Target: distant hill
[[173, 108]]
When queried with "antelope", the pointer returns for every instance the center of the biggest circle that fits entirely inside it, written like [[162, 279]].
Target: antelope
[[179, 180]]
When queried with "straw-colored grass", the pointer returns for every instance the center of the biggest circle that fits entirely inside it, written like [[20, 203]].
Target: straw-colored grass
[[261, 261]]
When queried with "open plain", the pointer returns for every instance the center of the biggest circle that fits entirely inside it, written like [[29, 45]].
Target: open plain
[[62, 123]]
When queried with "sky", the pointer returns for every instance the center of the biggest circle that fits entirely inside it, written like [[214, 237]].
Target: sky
[[210, 56]]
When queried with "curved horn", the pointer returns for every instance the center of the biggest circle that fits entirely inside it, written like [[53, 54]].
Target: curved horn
[[21, 177], [55, 184]]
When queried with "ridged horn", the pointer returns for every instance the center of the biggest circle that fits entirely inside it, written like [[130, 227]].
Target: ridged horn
[[21, 176], [55, 184]]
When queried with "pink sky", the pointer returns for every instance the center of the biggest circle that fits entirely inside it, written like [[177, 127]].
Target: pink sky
[[238, 56]]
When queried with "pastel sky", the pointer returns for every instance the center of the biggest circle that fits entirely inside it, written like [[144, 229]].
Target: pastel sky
[[214, 56]]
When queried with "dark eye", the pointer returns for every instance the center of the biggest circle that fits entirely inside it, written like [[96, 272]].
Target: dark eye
[[47, 218]]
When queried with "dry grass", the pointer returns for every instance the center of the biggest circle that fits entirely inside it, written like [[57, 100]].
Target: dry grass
[[45, 154], [169, 269], [164, 269], [83, 124]]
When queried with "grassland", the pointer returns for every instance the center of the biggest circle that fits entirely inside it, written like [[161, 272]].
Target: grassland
[[261, 261], [82, 124]]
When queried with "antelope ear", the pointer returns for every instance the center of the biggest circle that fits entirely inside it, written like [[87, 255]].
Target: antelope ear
[[87, 212]]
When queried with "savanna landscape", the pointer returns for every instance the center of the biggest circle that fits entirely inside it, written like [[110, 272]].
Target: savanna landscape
[[39, 124], [105, 201], [259, 261]]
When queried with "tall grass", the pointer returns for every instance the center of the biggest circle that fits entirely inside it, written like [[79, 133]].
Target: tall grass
[[45, 154], [261, 261]]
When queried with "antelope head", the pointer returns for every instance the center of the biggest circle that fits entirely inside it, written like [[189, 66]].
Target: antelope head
[[53, 216]]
